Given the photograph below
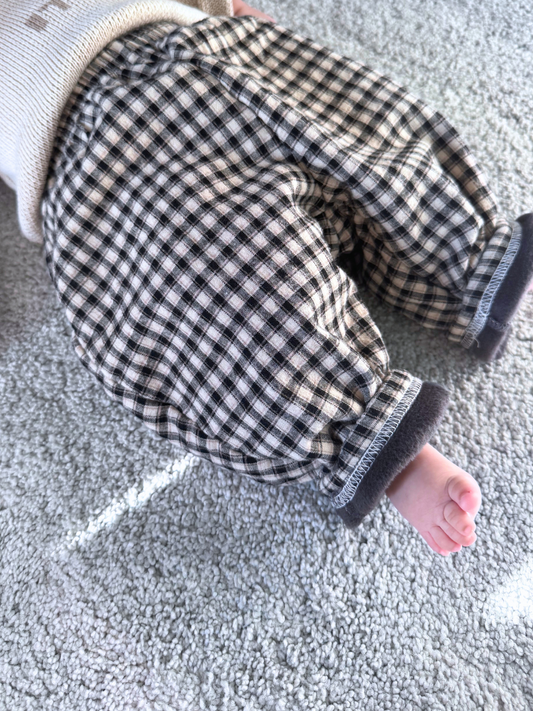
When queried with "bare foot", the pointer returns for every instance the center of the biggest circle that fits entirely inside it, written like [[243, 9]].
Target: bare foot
[[439, 499]]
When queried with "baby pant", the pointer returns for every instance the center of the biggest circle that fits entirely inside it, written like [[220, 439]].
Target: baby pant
[[215, 195]]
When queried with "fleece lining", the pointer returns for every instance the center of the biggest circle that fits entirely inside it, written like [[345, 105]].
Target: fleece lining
[[414, 431], [492, 341]]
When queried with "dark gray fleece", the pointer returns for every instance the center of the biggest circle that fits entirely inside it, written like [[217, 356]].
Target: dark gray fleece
[[492, 341], [414, 431]]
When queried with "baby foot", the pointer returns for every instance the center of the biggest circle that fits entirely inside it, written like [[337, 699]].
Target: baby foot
[[439, 499]]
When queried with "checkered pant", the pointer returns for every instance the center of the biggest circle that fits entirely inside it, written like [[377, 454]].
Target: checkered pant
[[208, 186]]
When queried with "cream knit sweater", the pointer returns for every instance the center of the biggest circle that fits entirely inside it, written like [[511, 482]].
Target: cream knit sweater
[[45, 47]]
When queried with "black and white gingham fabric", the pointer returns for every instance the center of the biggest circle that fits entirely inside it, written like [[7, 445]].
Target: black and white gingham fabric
[[205, 185]]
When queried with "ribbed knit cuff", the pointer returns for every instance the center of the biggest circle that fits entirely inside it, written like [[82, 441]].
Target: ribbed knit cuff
[[414, 430], [491, 342]]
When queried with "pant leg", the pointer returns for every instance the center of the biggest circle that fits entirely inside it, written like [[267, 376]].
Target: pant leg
[[424, 224], [190, 233], [431, 235], [431, 240]]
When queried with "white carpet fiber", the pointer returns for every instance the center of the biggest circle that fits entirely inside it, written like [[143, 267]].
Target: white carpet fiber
[[136, 577]]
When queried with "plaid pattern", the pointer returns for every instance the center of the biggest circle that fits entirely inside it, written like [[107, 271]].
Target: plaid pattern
[[206, 186]]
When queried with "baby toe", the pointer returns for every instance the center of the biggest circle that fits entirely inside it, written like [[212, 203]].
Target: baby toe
[[459, 520], [447, 544], [465, 491], [459, 538]]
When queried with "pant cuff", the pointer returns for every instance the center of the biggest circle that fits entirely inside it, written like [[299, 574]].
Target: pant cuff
[[504, 299], [415, 429]]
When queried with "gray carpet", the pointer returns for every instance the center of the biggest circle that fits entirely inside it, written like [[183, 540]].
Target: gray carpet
[[136, 577]]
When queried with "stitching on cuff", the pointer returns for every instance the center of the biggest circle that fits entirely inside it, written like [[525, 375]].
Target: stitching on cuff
[[380, 440], [482, 314]]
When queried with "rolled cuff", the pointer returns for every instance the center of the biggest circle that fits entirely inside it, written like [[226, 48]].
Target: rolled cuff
[[490, 344], [415, 429]]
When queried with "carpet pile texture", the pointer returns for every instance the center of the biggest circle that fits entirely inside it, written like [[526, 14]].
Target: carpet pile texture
[[134, 576]]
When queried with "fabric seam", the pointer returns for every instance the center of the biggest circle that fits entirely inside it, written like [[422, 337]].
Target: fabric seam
[[380, 440], [483, 310]]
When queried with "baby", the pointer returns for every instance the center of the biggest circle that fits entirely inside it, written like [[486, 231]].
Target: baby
[[209, 188]]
